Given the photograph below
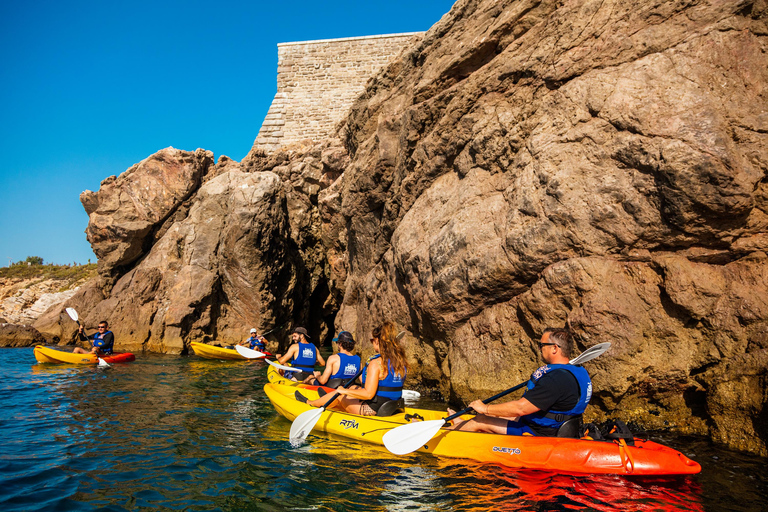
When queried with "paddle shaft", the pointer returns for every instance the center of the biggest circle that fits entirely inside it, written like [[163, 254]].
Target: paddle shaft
[[486, 401], [350, 381], [585, 356]]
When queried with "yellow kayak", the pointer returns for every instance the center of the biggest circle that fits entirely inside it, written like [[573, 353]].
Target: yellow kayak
[[213, 352], [559, 454], [52, 355]]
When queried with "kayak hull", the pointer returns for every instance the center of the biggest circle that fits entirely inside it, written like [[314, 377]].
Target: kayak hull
[[562, 455], [51, 355], [221, 353]]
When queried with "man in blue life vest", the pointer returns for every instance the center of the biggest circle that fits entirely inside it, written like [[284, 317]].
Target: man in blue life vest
[[103, 341], [302, 354], [255, 342], [556, 392]]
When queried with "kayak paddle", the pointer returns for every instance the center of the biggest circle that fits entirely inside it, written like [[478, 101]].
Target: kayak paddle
[[74, 316], [412, 436], [306, 421], [249, 353]]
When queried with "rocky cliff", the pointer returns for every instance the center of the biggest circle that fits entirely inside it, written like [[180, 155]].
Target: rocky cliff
[[596, 165]]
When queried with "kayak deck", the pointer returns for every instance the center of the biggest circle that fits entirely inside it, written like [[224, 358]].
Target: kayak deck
[[564, 455], [52, 355]]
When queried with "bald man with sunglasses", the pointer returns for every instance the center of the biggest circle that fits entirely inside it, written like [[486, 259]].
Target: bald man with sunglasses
[[557, 392]]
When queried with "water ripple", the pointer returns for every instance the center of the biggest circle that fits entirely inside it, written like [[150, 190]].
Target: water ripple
[[181, 433]]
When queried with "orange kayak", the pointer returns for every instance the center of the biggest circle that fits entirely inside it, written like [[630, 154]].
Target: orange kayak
[[52, 355], [562, 455]]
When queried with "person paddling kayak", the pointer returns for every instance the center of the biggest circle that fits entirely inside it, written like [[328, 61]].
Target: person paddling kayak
[[341, 366], [255, 342], [383, 378], [302, 354], [557, 392], [103, 341]]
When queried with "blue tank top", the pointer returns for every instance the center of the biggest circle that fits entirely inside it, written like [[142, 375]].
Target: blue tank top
[[98, 341], [392, 386], [585, 393], [305, 359], [348, 367]]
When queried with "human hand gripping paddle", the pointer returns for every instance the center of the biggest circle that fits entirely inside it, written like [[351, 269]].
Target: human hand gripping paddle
[[412, 436], [306, 421], [249, 353], [73, 315]]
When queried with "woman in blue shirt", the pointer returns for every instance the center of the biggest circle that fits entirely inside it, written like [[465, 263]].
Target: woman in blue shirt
[[383, 377]]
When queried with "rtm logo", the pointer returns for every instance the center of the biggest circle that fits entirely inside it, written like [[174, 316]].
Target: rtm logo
[[502, 449], [348, 424]]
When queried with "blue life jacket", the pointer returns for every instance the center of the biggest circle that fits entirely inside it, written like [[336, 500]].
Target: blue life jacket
[[98, 341], [348, 367], [305, 359], [392, 386], [554, 419], [256, 343]]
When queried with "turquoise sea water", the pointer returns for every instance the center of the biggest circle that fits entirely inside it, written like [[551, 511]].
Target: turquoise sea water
[[184, 433]]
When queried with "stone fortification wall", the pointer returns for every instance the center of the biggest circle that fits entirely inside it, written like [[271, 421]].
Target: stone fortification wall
[[317, 81]]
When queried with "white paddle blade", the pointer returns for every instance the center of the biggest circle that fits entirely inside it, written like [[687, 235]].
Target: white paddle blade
[[282, 367], [249, 353], [72, 314], [103, 363], [591, 353], [400, 335], [409, 394], [411, 436], [304, 423]]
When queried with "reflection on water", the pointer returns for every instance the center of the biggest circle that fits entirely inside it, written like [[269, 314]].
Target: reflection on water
[[185, 433]]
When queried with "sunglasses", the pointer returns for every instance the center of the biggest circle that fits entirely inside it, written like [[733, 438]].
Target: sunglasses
[[542, 345]]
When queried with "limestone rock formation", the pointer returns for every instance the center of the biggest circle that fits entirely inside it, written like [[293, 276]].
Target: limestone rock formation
[[15, 335], [597, 165], [128, 211]]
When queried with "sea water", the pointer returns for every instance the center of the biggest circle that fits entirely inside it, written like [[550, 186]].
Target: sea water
[[185, 433]]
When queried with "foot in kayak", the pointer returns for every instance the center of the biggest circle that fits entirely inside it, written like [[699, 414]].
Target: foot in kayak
[[301, 398]]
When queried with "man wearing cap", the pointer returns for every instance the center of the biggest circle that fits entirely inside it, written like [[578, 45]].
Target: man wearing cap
[[341, 366], [255, 342], [302, 354]]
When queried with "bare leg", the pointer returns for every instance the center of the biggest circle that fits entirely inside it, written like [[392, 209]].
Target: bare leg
[[79, 350]]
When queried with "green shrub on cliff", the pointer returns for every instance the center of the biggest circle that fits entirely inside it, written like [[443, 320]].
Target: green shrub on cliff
[[71, 274]]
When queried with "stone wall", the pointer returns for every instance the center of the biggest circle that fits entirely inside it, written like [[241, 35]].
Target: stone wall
[[317, 81]]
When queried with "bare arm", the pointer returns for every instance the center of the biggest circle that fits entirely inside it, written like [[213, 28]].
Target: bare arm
[[332, 367], [514, 409], [289, 354], [320, 359]]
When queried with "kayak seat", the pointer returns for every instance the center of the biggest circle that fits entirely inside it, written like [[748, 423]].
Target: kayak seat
[[299, 376], [334, 383], [391, 407], [570, 428]]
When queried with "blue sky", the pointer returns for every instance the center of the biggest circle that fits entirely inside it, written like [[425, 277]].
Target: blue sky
[[89, 88]]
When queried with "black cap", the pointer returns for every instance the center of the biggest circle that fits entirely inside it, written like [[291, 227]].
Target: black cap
[[344, 337], [301, 330]]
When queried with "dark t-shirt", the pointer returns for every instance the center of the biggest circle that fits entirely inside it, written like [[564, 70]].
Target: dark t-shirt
[[557, 390], [109, 339]]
